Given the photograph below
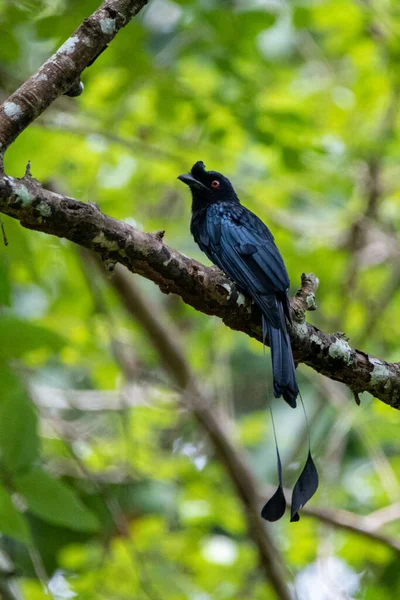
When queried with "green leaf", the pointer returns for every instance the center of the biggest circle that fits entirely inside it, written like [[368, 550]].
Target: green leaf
[[291, 158], [54, 502], [12, 523], [19, 441], [301, 17], [18, 337]]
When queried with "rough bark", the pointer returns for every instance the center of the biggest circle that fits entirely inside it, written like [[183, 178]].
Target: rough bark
[[205, 288], [61, 72]]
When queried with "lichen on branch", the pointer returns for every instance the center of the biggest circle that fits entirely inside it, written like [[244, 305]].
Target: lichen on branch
[[61, 72], [205, 288]]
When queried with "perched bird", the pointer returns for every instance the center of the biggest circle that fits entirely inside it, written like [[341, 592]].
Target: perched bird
[[238, 242]]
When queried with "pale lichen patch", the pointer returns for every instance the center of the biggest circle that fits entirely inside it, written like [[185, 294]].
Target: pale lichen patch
[[341, 349], [301, 329], [104, 242], [380, 373], [107, 26], [41, 77], [228, 288], [12, 110], [314, 338], [44, 209], [21, 192], [310, 302], [69, 45], [241, 300]]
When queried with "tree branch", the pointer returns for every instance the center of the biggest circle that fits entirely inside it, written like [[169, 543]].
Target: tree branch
[[205, 288], [61, 72]]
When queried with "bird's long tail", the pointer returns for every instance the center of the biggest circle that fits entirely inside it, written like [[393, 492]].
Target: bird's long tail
[[283, 370], [285, 385]]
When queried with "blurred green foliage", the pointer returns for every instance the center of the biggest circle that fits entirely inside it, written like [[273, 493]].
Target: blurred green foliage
[[297, 103]]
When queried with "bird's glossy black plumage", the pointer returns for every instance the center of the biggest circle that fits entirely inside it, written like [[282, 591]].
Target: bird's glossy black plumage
[[238, 242]]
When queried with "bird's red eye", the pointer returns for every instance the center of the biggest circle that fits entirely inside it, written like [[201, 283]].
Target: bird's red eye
[[215, 183]]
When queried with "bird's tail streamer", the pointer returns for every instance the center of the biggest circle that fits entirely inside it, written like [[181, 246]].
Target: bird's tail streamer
[[275, 508], [307, 483]]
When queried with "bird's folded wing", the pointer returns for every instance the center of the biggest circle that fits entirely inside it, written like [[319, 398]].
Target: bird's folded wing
[[249, 257]]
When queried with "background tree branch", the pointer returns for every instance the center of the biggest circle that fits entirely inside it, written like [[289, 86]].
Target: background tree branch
[[62, 70]]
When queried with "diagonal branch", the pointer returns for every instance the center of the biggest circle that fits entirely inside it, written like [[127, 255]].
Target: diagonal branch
[[62, 71], [205, 288]]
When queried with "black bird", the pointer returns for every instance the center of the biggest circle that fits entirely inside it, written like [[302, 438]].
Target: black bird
[[240, 244]]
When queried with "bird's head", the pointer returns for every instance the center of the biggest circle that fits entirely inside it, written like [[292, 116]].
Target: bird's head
[[208, 187]]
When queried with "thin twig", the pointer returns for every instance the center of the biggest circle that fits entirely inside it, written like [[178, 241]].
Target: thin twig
[[383, 516], [3, 231], [62, 71], [39, 569]]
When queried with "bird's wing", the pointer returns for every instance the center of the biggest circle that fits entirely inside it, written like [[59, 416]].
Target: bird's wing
[[243, 247]]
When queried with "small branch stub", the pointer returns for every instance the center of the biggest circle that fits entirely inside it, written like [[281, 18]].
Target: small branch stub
[[207, 289], [3, 231], [75, 90], [305, 297], [28, 174], [160, 234]]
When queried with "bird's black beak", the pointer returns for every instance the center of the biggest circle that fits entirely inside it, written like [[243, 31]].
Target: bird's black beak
[[190, 180]]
